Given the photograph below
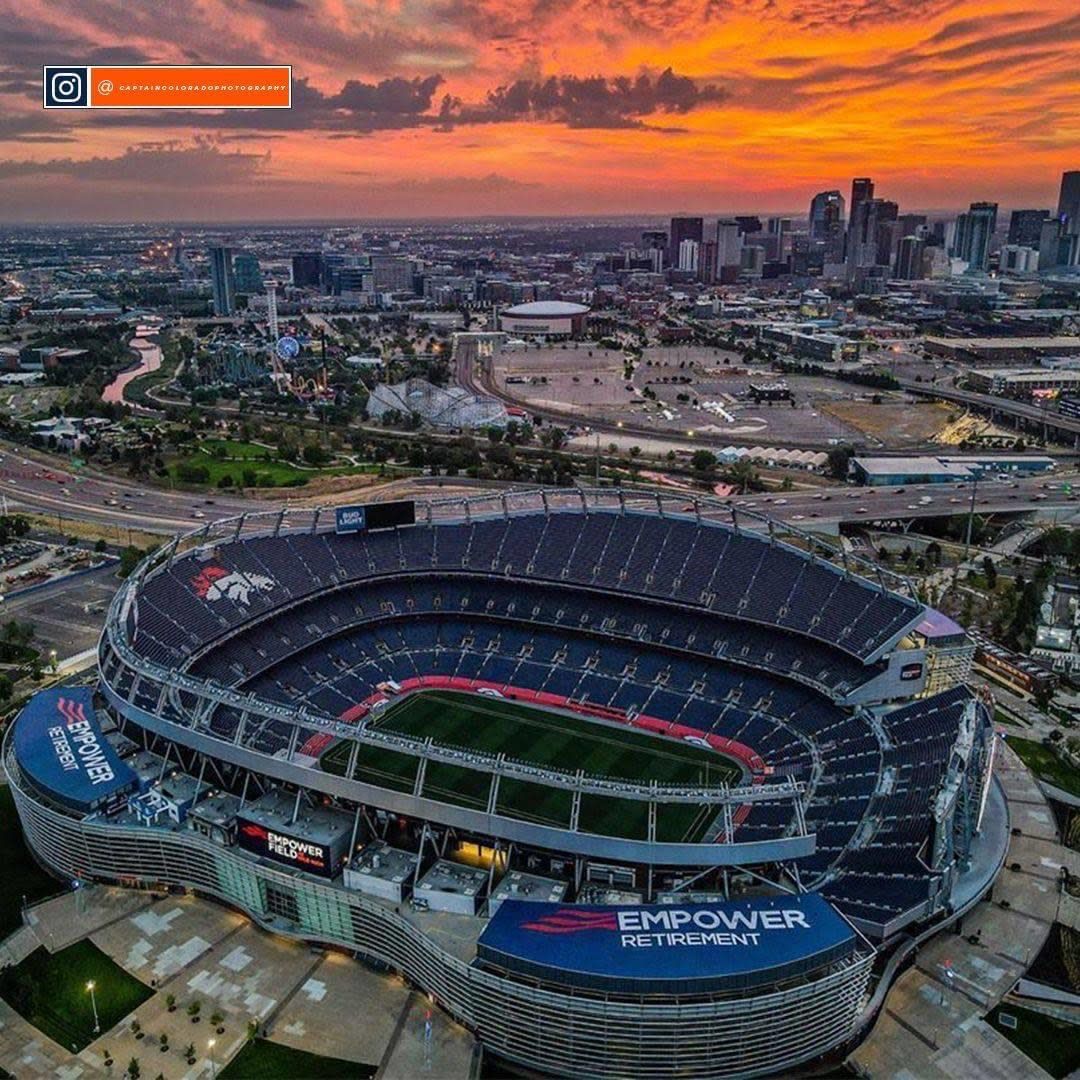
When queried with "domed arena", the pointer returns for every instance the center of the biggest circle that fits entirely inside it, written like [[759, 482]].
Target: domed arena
[[628, 784]]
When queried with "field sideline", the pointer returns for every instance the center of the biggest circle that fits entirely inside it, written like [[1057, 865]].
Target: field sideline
[[544, 738]]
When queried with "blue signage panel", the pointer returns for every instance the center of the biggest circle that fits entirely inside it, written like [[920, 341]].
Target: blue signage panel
[[350, 519], [61, 749], [667, 948]]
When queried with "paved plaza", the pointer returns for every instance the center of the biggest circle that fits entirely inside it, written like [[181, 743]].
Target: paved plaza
[[931, 1025], [189, 950]]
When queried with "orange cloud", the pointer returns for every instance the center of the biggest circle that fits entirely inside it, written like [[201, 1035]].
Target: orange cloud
[[587, 105]]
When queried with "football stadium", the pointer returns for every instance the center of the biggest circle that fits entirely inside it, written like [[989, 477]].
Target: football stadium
[[629, 785]]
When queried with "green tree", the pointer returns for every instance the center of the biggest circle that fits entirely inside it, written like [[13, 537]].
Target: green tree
[[839, 461], [703, 462]]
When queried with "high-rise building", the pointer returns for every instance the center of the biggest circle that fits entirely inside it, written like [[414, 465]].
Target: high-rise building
[[247, 274], [909, 258], [1069, 199], [308, 270], [687, 255], [868, 244], [826, 209], [392, 273], [684, 228], [974, 230], [729, 241], [1018, 259], [862, 189], [655, 241], [777, 237], [827, 224], [1025, 226], [887, 231], [860, 248], [1058, 246], [706, 268], [221, 280]]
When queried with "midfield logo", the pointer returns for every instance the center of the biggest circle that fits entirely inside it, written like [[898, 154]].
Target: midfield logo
[[216, 583]]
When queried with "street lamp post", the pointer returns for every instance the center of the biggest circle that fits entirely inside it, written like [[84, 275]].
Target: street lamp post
[[93, 1004], [213, 1060]]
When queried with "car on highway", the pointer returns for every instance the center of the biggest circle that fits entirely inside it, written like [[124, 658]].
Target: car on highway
[[197, 514], [860, 509]]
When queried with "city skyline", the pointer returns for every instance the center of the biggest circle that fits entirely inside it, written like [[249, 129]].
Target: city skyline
[[538, 110]]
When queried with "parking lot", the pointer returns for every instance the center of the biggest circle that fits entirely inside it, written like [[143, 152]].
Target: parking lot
[[704, 390]]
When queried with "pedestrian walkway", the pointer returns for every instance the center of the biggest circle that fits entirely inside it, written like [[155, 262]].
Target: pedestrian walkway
[[932, 1026]]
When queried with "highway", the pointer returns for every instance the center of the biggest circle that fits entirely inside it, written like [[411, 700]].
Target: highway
[[31, 480], [1019, 410], [34, 481]]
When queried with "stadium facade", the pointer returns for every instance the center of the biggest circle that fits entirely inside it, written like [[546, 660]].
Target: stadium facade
[[247, 740], [544, 318]]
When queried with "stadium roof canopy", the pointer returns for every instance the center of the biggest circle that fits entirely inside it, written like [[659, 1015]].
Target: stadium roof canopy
[[667, 948], [61, 749]]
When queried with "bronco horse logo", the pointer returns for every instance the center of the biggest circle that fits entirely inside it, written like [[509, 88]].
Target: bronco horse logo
[[215, 582]]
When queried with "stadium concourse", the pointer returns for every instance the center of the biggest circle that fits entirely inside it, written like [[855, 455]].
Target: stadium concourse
[[582, 767]]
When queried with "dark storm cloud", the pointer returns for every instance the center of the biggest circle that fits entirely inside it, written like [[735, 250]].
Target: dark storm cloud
[[391, 96], [589, 102], [160, 164]]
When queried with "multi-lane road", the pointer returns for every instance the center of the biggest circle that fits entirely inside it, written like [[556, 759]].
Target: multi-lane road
[[33, 481]]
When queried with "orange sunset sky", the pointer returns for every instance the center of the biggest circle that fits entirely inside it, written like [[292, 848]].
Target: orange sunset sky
[[476, 107]]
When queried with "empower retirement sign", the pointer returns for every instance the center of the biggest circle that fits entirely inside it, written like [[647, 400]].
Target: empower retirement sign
[[667, 948]]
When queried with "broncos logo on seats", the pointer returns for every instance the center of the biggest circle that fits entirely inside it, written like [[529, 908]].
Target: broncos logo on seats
[[215, 582]]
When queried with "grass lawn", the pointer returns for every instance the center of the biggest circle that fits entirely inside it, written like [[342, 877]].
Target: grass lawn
[[22, 876], [270, 473], [547, 739], [49, 990], [1050, 1043], [1046, 765], [263, 1060]]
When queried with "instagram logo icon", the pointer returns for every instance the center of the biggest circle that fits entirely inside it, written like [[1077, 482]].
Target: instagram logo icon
[[66, 88]]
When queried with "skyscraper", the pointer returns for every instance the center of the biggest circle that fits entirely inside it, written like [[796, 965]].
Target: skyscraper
[[974, 230], [729, 242], [1025, 226], [826, 208], [860, 237], [909, 258], [222, 281], [686, 257], [655, 242], [862, 189], [778, 233], [1069, 199], [827, 224], [684, 228], [247, 274], [308, 270], [869, 243]]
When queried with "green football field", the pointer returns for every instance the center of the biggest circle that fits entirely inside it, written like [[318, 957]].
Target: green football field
[[549, 739]]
